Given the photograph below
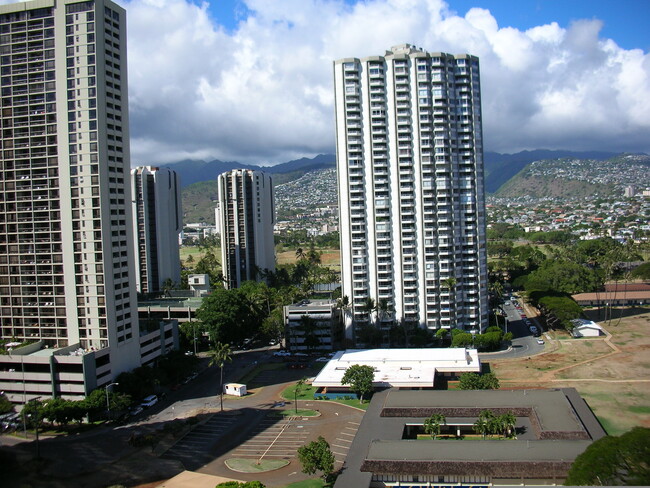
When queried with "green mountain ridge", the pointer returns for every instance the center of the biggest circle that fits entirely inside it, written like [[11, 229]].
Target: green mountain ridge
[[562, 178]]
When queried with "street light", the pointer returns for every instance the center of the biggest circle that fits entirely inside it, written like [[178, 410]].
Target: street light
[[38, 450], [108, 405]]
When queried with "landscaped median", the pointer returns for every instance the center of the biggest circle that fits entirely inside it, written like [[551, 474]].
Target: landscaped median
[[306, 393]]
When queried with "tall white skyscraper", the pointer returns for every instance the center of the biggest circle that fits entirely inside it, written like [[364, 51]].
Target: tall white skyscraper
[[66, 236], [157, 221], [410, 172], [245, 217]]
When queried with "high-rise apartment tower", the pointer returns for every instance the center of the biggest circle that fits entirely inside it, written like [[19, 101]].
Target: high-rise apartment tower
[[66, 237], [245, 216], [410, 173], [157, 221]]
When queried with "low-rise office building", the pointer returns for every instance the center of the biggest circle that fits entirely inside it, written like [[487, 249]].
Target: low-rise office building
[[552, 428], [399, 368], [38, 371], [312, 325]]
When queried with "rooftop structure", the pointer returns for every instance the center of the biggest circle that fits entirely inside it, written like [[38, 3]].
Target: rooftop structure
[[553, 427], [405, 368]]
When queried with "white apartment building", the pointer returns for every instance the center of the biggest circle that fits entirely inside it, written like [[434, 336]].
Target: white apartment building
[[157, 223], [66, 236], [245, 215], [410, 176]]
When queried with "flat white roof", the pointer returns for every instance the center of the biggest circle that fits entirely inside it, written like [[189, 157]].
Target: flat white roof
[[400, 367]]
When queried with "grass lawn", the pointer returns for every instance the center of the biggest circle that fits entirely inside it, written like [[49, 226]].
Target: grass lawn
[[614, 383], [194, 251], [253, 466], [315, 483], [307, 393]]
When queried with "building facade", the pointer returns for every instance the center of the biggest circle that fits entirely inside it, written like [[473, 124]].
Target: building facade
[[312, 325], [66, 236], [157, 223], [245, 216], [411, 200]]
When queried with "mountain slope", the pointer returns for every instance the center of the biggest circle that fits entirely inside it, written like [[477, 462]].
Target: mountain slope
[[499, 168], [577, 178], [192, 171]]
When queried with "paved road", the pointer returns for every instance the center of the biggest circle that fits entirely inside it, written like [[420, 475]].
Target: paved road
[[523, 343]]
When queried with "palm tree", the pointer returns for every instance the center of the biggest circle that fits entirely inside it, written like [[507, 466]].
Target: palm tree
[[296, 392], [433, 423], [509, 421], [300, 254], [219, 355], [485, 424]]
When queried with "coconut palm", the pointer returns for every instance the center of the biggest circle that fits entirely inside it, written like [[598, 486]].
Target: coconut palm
[[219, 355], [433, 423], [509, 421]]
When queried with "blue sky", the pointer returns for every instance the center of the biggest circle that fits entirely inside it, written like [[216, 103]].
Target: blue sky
[[625, 21], [251, 80]]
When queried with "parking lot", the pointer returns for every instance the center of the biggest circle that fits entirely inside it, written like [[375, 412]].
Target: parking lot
[[193, 450], [276, 438]]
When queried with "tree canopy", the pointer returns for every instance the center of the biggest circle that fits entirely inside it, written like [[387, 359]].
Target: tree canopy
[[614, 461], [316, 456], [475, 381], [360, 378]]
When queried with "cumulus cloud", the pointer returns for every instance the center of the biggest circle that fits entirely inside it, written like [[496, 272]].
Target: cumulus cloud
[[262, 92]]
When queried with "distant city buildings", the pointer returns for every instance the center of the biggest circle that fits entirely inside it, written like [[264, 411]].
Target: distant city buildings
[[68, 310], [245, 216], [157, 222], [410, 177]]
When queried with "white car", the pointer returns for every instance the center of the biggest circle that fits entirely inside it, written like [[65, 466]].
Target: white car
[[282, 353], [149, 401], [540, 341]]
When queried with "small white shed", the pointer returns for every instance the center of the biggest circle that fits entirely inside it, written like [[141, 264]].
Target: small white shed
[[235, 389], [586, 328]]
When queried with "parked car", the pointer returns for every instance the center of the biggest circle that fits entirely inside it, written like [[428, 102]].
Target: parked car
[[149, 401], [540, 341], [135, 411], [282, 354]]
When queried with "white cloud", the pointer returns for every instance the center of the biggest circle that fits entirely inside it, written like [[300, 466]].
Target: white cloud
[[263, 92]]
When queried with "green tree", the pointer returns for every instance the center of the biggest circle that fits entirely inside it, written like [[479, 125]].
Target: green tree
[[642, 272], [508, 421], [5, 405], [227, 316], [360, 378], [297, 391], [316, 456], [475, 381], [564, 277], [433, 424], [219, 355], [482, 425], [614, 461]]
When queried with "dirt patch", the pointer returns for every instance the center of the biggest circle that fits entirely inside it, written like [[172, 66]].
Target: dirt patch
[[329, 257], [611, 373]]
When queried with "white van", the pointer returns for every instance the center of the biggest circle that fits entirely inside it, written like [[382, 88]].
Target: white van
[[150, 401]]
